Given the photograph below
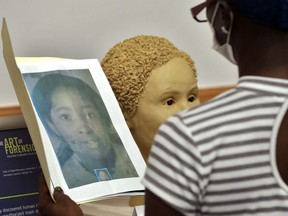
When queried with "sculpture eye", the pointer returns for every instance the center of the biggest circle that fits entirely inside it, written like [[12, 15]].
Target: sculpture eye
[[191, 98], [169, 102]]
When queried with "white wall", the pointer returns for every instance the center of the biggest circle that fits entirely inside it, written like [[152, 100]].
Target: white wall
[[88, 28]]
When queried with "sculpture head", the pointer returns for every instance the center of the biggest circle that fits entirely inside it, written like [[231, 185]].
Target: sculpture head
[[152, 80]]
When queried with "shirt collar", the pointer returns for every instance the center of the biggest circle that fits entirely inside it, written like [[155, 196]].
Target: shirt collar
[[269, 85]]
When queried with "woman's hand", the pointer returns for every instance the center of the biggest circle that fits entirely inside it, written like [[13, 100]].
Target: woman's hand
[[63, 205]]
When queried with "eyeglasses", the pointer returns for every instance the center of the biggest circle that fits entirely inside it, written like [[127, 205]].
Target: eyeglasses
[[198, 11]]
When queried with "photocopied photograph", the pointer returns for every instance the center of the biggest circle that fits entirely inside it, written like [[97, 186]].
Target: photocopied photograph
[[82, 140], [78, 125]]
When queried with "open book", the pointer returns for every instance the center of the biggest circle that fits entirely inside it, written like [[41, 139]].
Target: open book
[[80, 135]]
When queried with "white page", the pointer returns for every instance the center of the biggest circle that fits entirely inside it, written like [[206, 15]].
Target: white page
[[47, 153], [77, 68]]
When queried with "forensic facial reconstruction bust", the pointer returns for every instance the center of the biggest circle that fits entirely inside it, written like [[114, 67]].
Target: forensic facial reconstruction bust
[[170, 89], [152, 80]]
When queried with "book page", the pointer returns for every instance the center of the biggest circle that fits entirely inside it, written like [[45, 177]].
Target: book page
[[80, 134]]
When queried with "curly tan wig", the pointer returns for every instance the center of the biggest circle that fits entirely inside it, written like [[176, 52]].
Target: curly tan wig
[[129, 64]]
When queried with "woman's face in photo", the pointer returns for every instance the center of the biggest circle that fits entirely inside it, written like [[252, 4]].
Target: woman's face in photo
[[78, 122]]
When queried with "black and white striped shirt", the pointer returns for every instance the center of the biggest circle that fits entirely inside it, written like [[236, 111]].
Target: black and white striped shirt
[[219, 158]]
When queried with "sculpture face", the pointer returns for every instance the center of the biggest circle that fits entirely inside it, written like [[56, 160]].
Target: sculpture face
[[169, 89]]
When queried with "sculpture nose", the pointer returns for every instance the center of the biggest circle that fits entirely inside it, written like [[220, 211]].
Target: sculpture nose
[[183, 105]]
